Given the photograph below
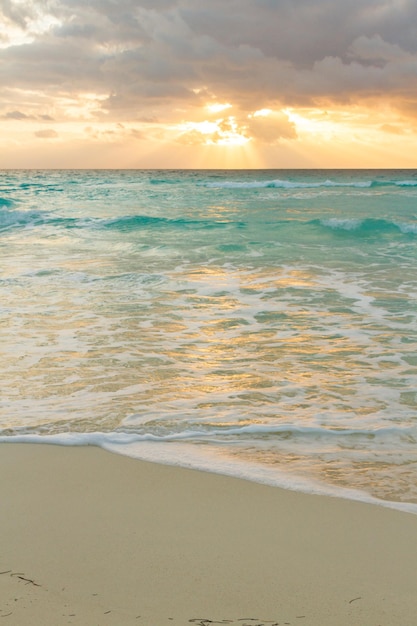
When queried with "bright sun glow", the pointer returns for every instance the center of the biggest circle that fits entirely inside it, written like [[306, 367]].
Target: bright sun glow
[[217, 107], [323, 125], [222, 132], [205, 128], [262, 113], [229, 133]]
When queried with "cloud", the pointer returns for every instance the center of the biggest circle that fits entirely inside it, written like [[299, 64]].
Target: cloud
[[265, 126], [393, 129], [376, 50], [271, 128], [162, 58], [17, 13], [47, 133], [15, 115]]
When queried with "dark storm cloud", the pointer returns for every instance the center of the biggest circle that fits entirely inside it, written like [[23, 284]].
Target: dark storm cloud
[[252, 53]]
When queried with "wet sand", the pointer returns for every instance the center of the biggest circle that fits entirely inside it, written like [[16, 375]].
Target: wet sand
[[92, 538]]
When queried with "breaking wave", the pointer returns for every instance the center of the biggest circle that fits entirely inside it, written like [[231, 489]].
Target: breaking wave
[[367, 226], [11, 218]]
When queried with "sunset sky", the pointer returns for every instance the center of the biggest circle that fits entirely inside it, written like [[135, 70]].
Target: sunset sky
[[208, 83]]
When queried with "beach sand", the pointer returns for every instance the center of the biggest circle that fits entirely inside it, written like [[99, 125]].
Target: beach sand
[[93, 538]]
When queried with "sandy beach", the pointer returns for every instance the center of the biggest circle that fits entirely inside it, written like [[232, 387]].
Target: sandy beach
[[93, 538]]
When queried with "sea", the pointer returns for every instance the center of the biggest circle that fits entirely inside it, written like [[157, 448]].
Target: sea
[[259, 324]]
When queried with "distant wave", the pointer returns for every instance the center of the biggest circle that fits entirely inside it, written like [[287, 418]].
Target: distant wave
[[406, 183], [287, 184], [165, 181], [282, 184]]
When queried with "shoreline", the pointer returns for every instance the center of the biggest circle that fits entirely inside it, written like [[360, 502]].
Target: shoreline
[[94, 537], [161, 454]]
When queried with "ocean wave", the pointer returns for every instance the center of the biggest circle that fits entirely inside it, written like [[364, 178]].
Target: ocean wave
[[287, 184], [5, 203], [12, 218], [407, 228], [367, 226], [339, 223], [133, 222], [406, 183], [165, 181], [283, 184]]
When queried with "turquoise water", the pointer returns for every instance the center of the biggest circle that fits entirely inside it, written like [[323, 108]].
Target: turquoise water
[[255, 323]]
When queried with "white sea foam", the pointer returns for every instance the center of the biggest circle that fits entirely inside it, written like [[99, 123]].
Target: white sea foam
[[342, 223], [406, 183], [407, 228]]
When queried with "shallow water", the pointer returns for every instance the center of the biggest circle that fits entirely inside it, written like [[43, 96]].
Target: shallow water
[[255, 323]]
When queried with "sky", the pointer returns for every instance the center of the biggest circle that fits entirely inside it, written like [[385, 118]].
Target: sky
[[208, 83]]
